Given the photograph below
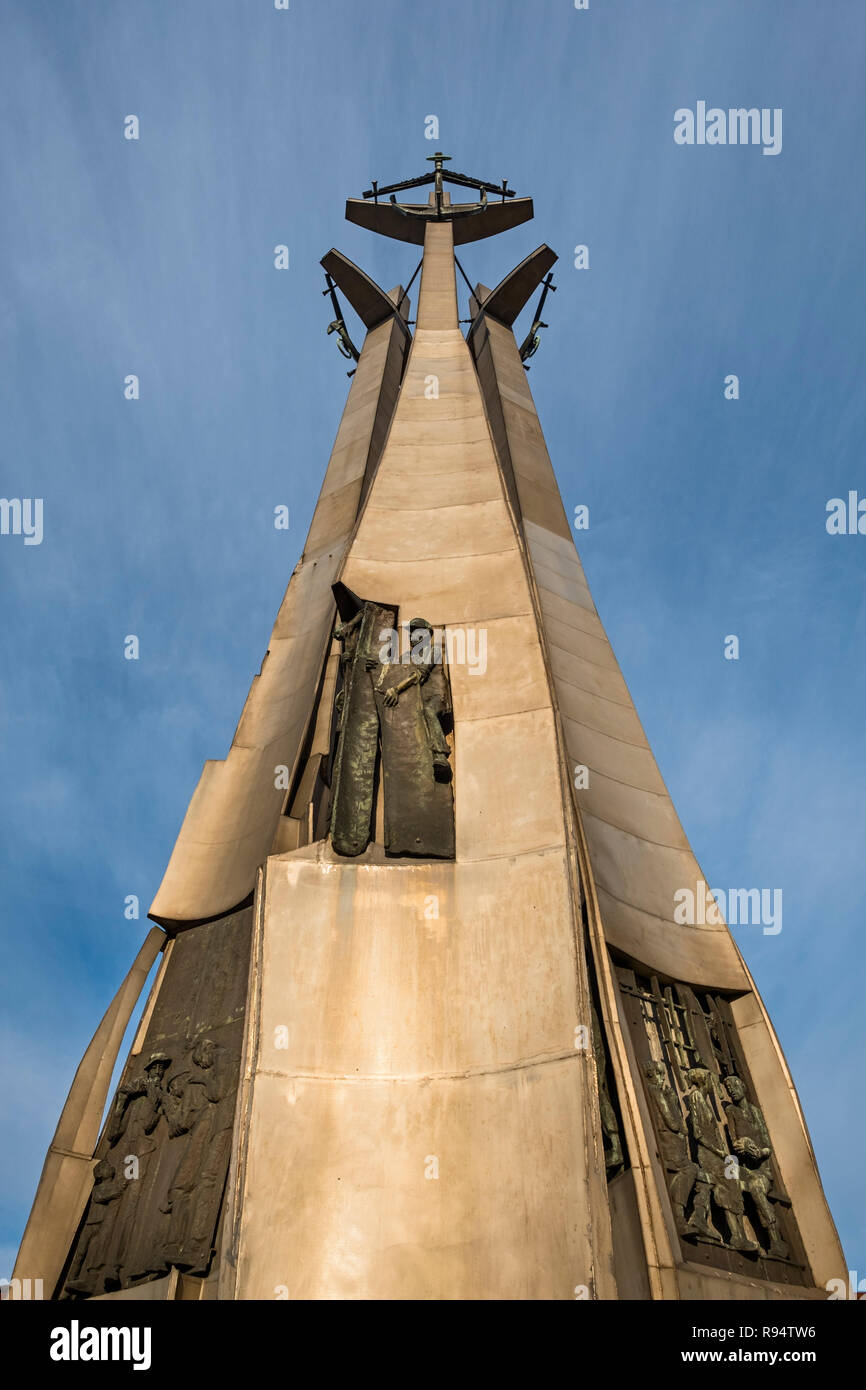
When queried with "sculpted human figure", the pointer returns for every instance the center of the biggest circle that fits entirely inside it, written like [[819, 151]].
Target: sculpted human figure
[[673, 1140], [137, 1109], [201, 1104], [751, 1143], [137, 1103], [396, 705], [712, 1154], [88, 1272], [347, 635], [435, 708]]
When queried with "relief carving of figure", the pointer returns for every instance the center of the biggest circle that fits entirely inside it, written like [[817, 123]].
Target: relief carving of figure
[[393, 711], [130, 1134], [673, 1141], [435, 705], [200, 1103], [89, 1267], [712, 1156], [347, 635], [751, 1144]]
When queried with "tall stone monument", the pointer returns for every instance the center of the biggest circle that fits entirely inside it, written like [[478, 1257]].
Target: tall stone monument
[[427, 1022]]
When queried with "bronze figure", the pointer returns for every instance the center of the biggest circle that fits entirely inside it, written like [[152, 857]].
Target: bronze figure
[[751, 1142], [673, 1141], [712, 1156], [406, 720]]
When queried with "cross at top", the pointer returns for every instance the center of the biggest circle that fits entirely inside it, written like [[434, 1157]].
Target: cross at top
[[437, 177], [405, 221], [437, 160]]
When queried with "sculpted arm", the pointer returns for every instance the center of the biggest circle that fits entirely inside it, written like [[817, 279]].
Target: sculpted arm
[[416, 677]]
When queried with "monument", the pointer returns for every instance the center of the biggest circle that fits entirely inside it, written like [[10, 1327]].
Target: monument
[[427, 1023]]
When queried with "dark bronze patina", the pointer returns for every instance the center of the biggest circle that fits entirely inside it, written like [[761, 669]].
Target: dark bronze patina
[[402, 708], [729, 1204], [164, 1153]]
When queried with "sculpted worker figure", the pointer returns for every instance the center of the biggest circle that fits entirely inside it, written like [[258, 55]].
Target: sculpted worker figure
[[136, 1113], [673, 1139], [87, 1275], [347, 635], [751, 1142], [393, 712], [203, 1107], [713, 1157], [421, 656]]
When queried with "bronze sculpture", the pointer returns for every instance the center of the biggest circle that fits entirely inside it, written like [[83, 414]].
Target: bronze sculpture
[[680, 1168], [712, 1156], [404, 719], [751, 1142]]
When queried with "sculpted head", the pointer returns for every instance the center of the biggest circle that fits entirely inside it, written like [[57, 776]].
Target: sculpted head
[[735, 1088], [420, 637], [204, 1052]]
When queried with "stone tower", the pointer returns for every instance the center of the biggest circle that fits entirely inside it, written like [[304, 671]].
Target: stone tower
[[429, 1022]]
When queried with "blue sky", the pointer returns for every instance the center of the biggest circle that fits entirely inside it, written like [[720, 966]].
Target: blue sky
[[707, 517]]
